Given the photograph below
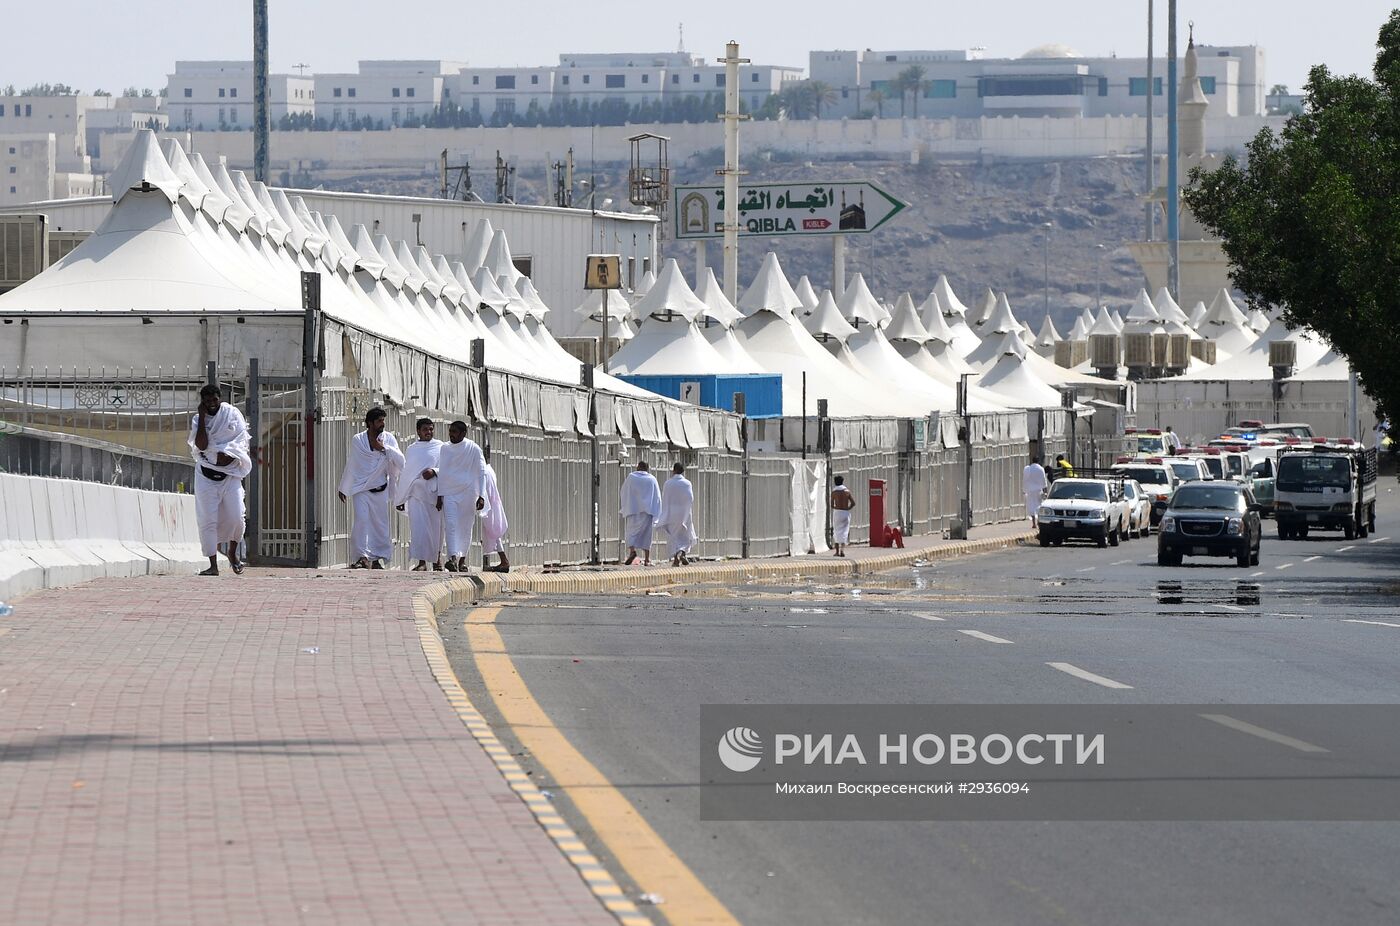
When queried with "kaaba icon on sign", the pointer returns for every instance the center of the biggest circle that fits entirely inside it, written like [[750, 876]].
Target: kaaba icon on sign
[[852, 217]]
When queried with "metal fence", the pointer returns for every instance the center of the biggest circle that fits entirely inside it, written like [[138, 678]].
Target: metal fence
[[33, 452]]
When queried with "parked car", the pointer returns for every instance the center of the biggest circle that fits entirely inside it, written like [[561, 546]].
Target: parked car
[[1189, 469], [1139, 508], [1090, 508], [1156, 478], [1210, 519]]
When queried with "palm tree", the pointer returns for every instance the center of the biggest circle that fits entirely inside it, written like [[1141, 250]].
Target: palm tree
[[877, 97], [821, 93], [911, 80]]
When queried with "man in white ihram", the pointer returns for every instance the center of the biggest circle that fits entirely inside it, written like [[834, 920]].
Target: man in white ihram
[[494, 524], [418, 494], [371, 480], [677, 515], [219, 442], [461, 481], [641, 503], [1033, 483]]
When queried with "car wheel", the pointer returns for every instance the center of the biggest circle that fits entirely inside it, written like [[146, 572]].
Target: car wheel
[[1254, 557], [1349, 531], [1362, 528], [1103, 539], [1301, 533], [1057, 543], [1166, 558], [1045, 541], [1282, 532], [1242, 558]]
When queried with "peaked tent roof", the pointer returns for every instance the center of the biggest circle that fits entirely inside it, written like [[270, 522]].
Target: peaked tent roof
[[1252, 360], [1167, 307], [1258, 320], [904, 322], [727, 344], [1143, 314], [1331, 368], [934, 321], [948, 299], [769, 291], [1048, 336], [1001, 320], [717, 304], [826, 320], [592, 308], [1197, 315], [1080, 331], [858, 304], [806, 293], [1011, 377], [668, 346], [669, 294], [985, 307], [478, 245]]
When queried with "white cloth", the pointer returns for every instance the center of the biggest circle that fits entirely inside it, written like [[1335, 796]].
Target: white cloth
[[493, 517], [677, 514], [227, 433], [1033, 500], [424, 529], [419, 497], [841, 526], [638, 528], [369, 535], [367, 469], [458, 521], [1173, 442], [218, 510], [1033, 479], [461, 481], [218, 504]]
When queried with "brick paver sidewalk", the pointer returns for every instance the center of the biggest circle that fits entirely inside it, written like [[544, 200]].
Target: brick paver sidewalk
[[169, 753]]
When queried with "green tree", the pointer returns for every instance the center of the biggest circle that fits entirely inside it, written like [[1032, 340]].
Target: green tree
[[911, 81], [1309, 220], [822, 94]]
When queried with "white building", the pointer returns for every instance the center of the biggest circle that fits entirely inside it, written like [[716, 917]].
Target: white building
[[1049, 80], [219, 95], [388, 93]]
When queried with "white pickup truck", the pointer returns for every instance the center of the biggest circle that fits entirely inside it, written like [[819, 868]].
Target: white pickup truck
[[1091, 508], [1325, 486]]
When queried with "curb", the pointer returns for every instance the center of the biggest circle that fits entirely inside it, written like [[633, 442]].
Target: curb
[[432, 600]]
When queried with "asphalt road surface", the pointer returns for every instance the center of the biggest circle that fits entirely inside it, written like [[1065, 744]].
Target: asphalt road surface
[[1316, 622]]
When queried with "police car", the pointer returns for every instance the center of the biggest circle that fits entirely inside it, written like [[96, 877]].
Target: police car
[[1156, 478]]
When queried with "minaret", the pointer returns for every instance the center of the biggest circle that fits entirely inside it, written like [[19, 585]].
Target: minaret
[[1191, 107]]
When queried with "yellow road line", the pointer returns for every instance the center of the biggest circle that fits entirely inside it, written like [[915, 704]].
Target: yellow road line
[[599, 882], [640, 850]]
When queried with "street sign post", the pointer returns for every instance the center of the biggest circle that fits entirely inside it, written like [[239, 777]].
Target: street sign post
[[846, 208]]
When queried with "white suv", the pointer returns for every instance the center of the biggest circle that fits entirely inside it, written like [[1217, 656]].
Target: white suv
[[1089, 508]]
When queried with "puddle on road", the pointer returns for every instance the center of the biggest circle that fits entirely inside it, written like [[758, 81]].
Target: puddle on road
[[1239, 593]]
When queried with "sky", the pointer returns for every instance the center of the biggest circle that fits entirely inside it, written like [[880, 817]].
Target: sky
[[105, 45]]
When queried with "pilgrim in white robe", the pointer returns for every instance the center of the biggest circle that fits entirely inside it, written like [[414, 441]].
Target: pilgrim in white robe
[[461, 481], [218, 502], [841, 519], [493, 517], [370, 481], [677, 514], [641, 503], [419, 497], [1033, 483]]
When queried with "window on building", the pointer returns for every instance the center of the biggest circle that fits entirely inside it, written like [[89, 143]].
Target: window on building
[[335, 92], [566, 80], [335, 114], [233, 114], [534, 78], [221, 115], [646, 78], [631, 273], [525, 265], [891, 57], [189, 92], [1103, 86], [1032, 85], [12, 169], [941, 90], [409, 112], [505, 105], [394, 92], [233, 92], [675, 78], [614, 81], [1137, 86], [1208, 86], [753, 77], [189, 116], [352, 113], [505, 81], [12, 189], [222, 92], [719, 80], [476, 79], [351, 93], [695, 78], [585, 78], [410, 90]]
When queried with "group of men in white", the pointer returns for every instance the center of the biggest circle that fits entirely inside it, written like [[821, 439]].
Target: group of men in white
[[440, 485]]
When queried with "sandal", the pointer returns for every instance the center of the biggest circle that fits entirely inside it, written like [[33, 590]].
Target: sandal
[[376, 565], [631, 558], [421, 567], [437, 567], [451, 565], [361, 563], [238, 568], [211, 571]]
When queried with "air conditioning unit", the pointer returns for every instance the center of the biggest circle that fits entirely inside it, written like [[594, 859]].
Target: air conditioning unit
[[1070, 354], [1137, 350], [1160, 340], [1283, 354], [1179, 351], [1203, 350], [1104, 351]]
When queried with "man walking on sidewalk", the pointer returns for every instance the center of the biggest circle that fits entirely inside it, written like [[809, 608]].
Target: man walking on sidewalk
[[461, 484], [219, 441], [1033, 483], [418, 493], [371, 479], [842, 501], [641, 503], [677, 515], [493, 523]]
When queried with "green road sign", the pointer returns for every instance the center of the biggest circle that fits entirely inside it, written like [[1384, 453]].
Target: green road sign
[[848, 208]]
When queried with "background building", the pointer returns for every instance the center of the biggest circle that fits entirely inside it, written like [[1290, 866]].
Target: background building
[[386, 93], [219, 95]]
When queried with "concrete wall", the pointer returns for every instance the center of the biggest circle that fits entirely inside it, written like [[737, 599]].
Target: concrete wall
[[61, 532]]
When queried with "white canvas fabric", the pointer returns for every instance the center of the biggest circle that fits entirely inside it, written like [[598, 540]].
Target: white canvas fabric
[[769, 291]]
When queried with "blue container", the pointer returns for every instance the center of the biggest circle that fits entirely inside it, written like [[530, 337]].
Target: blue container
[[763, 392]]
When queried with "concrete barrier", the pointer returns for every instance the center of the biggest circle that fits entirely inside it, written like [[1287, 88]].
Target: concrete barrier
[[56, 532]]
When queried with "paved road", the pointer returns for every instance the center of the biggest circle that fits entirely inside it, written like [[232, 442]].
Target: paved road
[[1316, 622]]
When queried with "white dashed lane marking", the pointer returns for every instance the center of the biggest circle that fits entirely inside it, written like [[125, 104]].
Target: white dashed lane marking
[[1284, 566], [1087, 569], [1255, 575], [926, 615], [1352, 620], [1312, 559], [1344, 549], [1087, 676], [979, 635], [1379, 540], [1225, 720]]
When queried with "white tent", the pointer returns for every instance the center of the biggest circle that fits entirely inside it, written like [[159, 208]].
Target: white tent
[[721, 311], [770, 291], [826, 322], [668, 341], [1117, 319], [1046, 340], [806, 293], [858, 304], [1167, 308], [478, 246], [985, 307], [1258, 321], [1012, 380], [904, 322], [1143, 316], [1197, 315], [1227, 326], [1080, 331], [619, 325], [1252, 362], [717, 304], [1331, 368]]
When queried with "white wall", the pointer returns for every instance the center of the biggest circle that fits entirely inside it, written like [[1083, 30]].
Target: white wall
[[61, 532], [27, 163]]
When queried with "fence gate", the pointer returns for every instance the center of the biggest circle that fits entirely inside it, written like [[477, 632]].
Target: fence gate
[[278, 488]]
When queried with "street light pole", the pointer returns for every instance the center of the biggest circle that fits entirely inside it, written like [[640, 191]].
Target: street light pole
[[1047, 226], [1098, 277]]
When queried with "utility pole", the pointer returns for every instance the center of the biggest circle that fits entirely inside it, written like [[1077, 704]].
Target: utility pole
[[1149, 166], [260, 117], [1047, 226], [731, 62], [1173, 186]]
